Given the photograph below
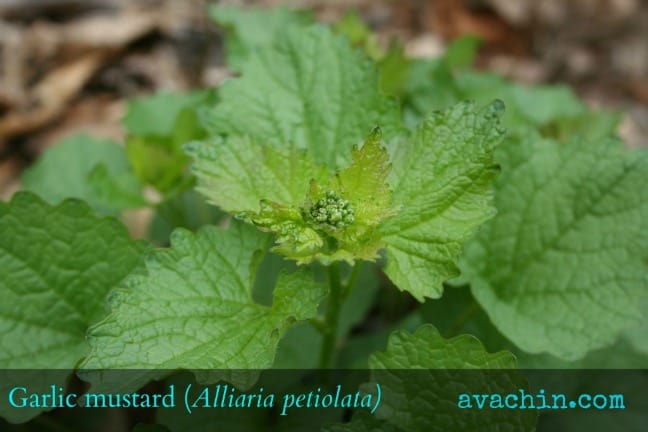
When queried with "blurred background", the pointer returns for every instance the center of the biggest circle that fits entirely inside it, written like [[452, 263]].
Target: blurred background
[[69, 66]]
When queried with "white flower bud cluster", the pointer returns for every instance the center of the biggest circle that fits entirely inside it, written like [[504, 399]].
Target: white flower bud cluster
[[333, 210]]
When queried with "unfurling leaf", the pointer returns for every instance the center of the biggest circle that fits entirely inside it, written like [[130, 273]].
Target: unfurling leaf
[[340, 220]]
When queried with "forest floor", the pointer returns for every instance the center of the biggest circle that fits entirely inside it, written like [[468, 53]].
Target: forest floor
[[70, 65]]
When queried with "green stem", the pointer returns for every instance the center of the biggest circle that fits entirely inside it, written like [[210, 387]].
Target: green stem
[[332, 316], [353, 278]]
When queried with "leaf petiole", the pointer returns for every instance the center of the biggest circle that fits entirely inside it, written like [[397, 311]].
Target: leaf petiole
[[332, 316], [352, 279]]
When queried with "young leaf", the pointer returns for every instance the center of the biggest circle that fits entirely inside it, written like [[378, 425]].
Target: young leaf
[[338, 221], [250, 29], [365, 179], [194, 309], [295, 238], [441, 182], [58, 264], [309, 89], [237, 173], [562, 267], [269, 187], [91, 169]]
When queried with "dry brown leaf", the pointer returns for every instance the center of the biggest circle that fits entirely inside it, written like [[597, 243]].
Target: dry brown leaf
[[96, 115], [84, 45], [109, 31], [453, 18], [11, 65], [52, 94]]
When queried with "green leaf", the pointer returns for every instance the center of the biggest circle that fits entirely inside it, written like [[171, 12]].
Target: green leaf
[[118, 191], [295, 238], [562, 267], [360, 35], [58, 264], [543, 104], [194, 308], [158, 127], [250, 29], [528, 106], [394, 69], [591, 125], [91, 169], [426, 349], [430, 86], [300, 347], [461, 52], [636, 335], [547, 107], [392, 64], [365, 181], [621, 355], [237, 173], [310, 89], [408, 401], [338, 222], [442, 183], [278, 191], [422, 375], [554, 109], [156, 114]]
